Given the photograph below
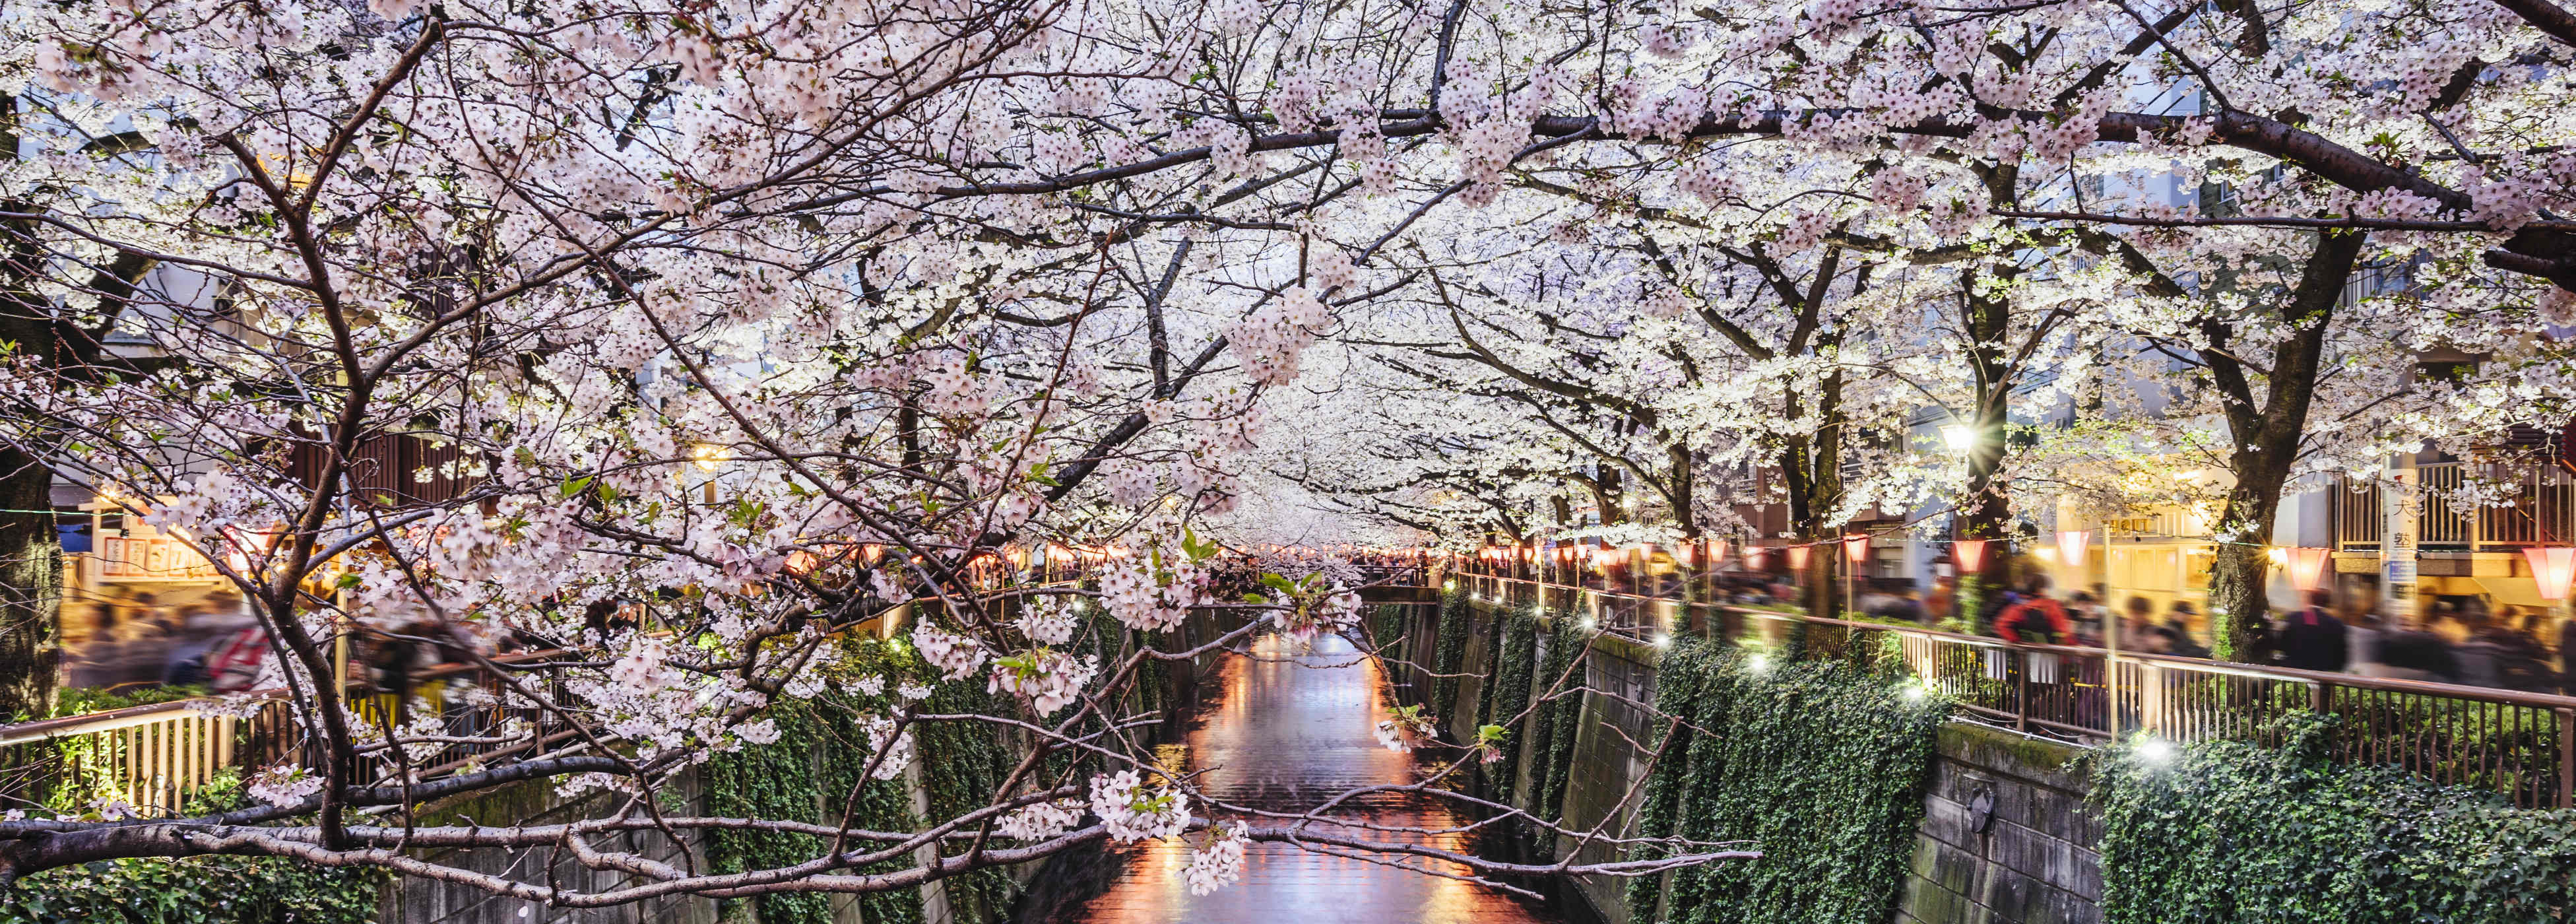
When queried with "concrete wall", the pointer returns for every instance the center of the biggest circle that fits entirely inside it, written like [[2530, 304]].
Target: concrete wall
[[2006, 836]]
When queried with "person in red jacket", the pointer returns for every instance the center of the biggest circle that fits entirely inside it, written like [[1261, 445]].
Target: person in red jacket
[[2036, 620]]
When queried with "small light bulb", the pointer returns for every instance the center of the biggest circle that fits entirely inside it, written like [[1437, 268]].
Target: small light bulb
[[2156, 751]]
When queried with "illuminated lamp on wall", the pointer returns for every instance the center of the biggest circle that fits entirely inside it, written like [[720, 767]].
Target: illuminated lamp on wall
[[2071, 545], [2307, 566], [2551, 567], [1970, 553]]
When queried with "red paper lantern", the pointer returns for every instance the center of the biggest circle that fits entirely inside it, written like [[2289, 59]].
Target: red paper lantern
[[1971, 554]]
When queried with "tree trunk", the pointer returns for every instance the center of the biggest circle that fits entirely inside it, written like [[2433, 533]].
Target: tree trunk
[[31, 557], [31, 586], [2240, 572], [2267, 437]]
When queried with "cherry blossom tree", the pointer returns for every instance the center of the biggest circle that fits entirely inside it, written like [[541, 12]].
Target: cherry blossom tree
[[722, 332]]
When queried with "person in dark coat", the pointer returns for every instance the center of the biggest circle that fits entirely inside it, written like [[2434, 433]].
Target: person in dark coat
[[2312, 639]]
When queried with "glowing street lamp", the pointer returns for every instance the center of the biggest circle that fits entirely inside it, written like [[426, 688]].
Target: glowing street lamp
[[1959, 437]]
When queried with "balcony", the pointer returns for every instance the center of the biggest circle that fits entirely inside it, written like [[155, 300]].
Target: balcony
[[2541, 511]]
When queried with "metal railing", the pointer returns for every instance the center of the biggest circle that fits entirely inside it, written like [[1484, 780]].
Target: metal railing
[[2520, 744], [156, 756]]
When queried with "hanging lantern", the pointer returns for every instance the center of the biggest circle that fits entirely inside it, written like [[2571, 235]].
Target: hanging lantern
[[1757, 557], [2552, 567], [2307, 566], [1856, 548], [1798, 557], [2071, 545], [1716, 551], [1970, 553]]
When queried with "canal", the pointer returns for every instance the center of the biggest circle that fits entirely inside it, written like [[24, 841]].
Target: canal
[[1282, 731]]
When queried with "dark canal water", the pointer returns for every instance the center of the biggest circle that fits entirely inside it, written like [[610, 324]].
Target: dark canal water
[[1283, 732]]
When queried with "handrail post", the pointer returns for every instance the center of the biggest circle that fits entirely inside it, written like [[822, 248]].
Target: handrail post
[[2566, 757], [2151, 696], [2021, 689]]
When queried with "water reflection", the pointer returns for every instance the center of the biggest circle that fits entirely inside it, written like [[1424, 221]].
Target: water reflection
[[1283, 732]]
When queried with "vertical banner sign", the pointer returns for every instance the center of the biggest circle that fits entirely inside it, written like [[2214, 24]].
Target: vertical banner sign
[[2401, 499]]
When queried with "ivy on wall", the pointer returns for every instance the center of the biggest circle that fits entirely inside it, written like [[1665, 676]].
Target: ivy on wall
[[1820, 766], [1449, 653], [2234, 832], [196, 890], [1553, 726], [1508, 695], [963, 764], [820, 755]]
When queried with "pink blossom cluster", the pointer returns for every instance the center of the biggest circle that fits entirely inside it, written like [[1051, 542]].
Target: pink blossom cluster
[[1048, 620], [1269, 342], [1144, 597], [1134, 812], [283, 785], [955, 656], [1044, 677], [1039, 821], [1219, 862]]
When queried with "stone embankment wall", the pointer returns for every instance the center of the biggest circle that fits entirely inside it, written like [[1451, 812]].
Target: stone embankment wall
[[2005, 836]]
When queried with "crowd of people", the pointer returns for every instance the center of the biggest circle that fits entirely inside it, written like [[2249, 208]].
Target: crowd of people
[[210, 642], [2516, 649]]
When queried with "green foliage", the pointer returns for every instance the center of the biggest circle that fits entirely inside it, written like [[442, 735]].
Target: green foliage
[[1386, 625], [2465, 742], [196, 890], [70, 701], [2234, 832], [1553, 726], [963, 765], [1449, 653], [1818, 765], [807, 775], [1508, 695]]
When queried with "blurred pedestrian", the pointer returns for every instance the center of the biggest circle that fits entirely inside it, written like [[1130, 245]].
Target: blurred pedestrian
[[2480, 658], [2313, 639], [2139, 619], [2417, 654], [2035, 619], [2361, 644], [2179, 634]]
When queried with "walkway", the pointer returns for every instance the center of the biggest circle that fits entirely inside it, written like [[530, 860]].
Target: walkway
[[1284, 733]]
